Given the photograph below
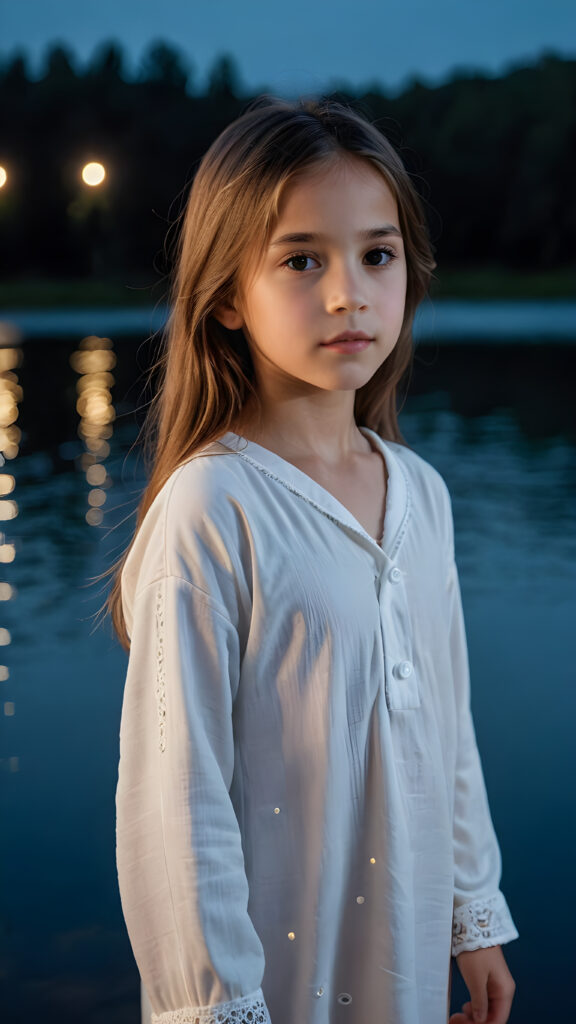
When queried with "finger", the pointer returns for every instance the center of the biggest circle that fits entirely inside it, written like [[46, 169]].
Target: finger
[[499, 1011], [478, 1005]]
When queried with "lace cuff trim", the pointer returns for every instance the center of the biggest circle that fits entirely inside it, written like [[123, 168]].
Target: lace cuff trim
[[482, 923], [248, 1010]]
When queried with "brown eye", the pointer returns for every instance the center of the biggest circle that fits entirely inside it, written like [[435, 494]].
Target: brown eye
[[374, 257], [299, 258]]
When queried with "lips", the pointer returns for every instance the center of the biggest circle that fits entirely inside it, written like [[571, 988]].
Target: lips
[[348, 336]]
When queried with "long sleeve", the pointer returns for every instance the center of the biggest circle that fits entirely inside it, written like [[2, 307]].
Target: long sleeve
[[180, 862], [481, 916]]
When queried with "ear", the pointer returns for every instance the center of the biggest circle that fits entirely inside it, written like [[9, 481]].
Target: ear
[[227, 315]]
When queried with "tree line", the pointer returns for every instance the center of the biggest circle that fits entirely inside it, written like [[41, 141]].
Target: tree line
[[493, 157]]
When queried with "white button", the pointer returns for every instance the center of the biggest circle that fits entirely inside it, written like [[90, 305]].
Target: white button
[[395, 575], [319, 992], [403, 669], [359, 899]]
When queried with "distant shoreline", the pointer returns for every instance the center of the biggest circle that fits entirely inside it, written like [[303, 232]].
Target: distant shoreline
[[135, 290], [437, 321]]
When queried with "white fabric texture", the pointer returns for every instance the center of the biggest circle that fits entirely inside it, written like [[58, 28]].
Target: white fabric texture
[[303, 832]]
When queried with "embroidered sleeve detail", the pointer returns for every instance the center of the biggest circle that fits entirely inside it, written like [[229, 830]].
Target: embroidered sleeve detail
[[160, 670], [482, 923], [249, 1010]]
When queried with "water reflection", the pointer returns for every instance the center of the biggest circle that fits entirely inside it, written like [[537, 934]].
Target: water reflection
[[10, 437], [10, 396], [498, 424], [93, 361]]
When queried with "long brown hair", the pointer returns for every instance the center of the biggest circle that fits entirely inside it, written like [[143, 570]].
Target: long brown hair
[[206, 372]]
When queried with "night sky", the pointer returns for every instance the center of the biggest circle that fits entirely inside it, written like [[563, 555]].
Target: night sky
[[303, 46]]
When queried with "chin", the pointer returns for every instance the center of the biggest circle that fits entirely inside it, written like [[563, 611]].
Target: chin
[[347, 381]]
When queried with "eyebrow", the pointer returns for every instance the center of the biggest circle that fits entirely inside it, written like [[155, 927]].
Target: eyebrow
[[364, 236]]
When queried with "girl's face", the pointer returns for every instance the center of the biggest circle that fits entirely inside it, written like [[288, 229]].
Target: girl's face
[[335, 263]]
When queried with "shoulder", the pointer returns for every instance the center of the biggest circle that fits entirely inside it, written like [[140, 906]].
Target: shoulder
[[430, 498], [194, 528], [422, 475]]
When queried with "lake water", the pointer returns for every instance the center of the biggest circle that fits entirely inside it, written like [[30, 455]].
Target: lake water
[[498, 421]]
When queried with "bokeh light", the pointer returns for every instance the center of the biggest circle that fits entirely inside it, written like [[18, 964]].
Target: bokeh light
[[96, 474], [10, 436], [10, 397], [93, 361], [3, 177], [94, 516], [7, 553], [8, 510], [7, 483], [93, 174]]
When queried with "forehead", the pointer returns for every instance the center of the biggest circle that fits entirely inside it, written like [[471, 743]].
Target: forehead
[[341, 184]]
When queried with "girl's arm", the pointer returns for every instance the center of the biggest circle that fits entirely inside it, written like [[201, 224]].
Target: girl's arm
[[481, 916], [180, 862], [481, 919]]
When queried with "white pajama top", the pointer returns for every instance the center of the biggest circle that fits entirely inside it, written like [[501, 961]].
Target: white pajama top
[[303, 833]]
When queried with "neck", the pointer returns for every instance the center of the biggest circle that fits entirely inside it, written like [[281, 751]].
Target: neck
[[319, 426]]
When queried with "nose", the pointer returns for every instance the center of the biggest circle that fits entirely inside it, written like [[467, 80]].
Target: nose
[[345, 291]]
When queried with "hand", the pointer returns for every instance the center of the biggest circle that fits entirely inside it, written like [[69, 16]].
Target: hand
[[490, 984]]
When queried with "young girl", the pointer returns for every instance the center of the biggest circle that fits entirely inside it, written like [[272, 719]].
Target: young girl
[[303, 834]]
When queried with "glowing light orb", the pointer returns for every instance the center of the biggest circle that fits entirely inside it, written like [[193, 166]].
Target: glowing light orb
[[3, 177], [7, 553], [94, 516], [93, 174]]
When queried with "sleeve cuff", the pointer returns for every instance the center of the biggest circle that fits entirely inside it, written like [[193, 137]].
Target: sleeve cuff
[[482, 923], [248, 1010]]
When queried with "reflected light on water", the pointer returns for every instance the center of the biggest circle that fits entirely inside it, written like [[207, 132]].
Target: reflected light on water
[[10, 397], [7, 554], [94, 361], [97, 497], [96, 474], [10, 436], [7, 483], [94, 516], [8, 510]]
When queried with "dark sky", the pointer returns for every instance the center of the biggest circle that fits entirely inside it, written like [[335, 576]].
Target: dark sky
[[303, 45]]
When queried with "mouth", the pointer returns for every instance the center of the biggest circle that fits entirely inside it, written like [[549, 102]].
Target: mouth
[[348, 336]]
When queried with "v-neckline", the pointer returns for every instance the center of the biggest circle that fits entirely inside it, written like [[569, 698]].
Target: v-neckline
[[397, 491]]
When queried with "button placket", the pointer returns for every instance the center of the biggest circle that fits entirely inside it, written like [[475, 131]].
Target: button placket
[[402, 689]]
